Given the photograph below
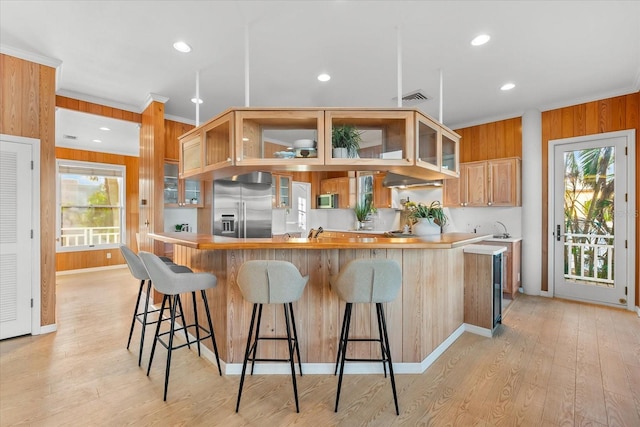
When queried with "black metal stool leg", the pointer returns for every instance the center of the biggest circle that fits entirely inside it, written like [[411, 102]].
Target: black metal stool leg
[[344, 322], [184, 322], [195, 316], [155, 339], [135, 314], [295, 336], [176, 301], [344, 350], [213, 336], [291, 361], [386, 340], [255, 342], [144, 321], [383, 354], [246, 355]]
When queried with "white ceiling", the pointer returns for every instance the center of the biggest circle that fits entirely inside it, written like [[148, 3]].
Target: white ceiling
[[116, 53]]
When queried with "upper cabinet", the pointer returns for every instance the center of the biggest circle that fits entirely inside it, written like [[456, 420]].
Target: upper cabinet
[[487, 183], [281, 191], [403, 141], [180, 192]]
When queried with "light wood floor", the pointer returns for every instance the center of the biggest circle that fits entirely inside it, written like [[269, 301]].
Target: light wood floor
[[553, 363]]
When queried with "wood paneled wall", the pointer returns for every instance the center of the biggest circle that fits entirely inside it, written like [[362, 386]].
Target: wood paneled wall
[[89, 259], [606, 115], [97, 109], [495, 140], [27, 102], [173, 130]]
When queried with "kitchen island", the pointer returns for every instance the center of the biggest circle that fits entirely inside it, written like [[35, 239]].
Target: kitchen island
[[426, 317]]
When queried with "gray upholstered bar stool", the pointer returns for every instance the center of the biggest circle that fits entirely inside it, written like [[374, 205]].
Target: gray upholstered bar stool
[[139, 272], [367, 281], [271, 282], [172, 284]]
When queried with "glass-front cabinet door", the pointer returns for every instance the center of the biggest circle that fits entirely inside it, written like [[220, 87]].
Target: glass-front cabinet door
[[427, 143], [218, 143], [369, 138], [192, 195], [171, 191], [279, 137], [450, 164], [180, 192], [191, 154]]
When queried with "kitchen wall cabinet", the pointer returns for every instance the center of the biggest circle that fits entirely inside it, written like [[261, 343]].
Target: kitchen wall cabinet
[[344, 187], [381, 195], [512, 266], [245, 139], [488, 183], [180, 192], [281, 191]]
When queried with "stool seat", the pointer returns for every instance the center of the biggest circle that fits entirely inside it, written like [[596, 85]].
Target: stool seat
[[271, 282], [173, 283], [375, 281]]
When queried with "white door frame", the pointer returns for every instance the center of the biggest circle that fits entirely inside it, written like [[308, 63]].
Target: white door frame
[[35, 223], [631, 212]]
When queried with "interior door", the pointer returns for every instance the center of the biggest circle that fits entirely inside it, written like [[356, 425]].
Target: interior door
[[16, 188], [590, 221]]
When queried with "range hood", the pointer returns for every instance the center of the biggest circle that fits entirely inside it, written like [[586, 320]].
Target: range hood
[[395, 180]]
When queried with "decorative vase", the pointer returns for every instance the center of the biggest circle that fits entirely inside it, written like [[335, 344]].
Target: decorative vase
[[340, 153], [425, 227]]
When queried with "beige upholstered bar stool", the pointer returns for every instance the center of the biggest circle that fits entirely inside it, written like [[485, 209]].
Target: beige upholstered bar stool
[[172, 284], [367, 281], [271, 282], [139, 272]]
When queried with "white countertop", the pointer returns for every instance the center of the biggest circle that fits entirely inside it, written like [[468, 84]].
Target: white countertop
[[499, 239], [484, 249]]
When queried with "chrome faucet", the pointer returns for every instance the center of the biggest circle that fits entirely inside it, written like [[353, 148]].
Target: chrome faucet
[[506, 233]]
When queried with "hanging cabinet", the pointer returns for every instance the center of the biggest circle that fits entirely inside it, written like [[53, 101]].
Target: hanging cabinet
[[241, 140]]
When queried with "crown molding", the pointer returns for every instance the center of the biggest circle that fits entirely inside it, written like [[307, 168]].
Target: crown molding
[[35, 58], [154, 97], [98, 100]]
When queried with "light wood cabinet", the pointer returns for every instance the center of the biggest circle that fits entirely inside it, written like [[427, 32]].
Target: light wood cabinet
[[488, 183], [437, 148], [482, 299], [281, 191], [381, 195], [344, 187], [180, 192], [191, 154], [512, 266]]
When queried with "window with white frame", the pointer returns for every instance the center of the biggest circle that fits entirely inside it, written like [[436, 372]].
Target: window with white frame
[[91, 208]]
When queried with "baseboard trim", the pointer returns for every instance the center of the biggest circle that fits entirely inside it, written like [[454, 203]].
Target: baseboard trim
[[47, 329], [478, 330], [90, 269]]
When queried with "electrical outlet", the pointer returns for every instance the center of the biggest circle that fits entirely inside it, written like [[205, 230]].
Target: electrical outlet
[[108, 255]]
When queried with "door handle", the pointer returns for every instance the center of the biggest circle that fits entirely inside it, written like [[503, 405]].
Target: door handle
[[558, 232]]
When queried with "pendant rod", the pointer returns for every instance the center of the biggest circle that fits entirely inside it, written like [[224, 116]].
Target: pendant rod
[[441, 100], [197, 98], [246, 65], [399, 64]]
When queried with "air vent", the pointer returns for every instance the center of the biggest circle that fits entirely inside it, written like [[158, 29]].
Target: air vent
[[64, 136], [413, 98]]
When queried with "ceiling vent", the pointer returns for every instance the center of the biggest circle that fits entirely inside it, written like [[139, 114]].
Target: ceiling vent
[[65, 136], [413, 98]]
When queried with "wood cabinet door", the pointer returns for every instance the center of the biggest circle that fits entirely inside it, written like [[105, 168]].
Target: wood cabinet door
[[474, 185], [504, 182], [452, 191], [381, 194]]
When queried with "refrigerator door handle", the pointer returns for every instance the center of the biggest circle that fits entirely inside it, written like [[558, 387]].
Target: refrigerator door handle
[[244, 218]]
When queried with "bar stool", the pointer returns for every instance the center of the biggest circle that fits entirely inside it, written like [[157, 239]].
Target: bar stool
[[367, 281], [271, 282], [138, 271], [172, 284]]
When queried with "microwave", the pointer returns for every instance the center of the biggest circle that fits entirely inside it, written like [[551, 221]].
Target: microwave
[[327, 201]]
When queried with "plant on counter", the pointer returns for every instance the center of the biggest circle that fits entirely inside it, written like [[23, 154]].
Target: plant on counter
[[362, 210], [434, 211], [347, 136]]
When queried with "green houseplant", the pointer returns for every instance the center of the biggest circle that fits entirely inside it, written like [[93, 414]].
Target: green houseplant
[[422, 215], [362, 210], [346, 137]]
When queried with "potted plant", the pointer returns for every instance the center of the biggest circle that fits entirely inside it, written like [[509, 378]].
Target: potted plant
[[429, 219], [362, 211], [345, 140]]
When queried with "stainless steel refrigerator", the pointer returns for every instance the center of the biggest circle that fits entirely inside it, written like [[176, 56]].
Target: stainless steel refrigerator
[[242, 205]]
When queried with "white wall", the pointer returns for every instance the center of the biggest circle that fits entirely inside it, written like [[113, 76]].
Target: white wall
[[173, 216]]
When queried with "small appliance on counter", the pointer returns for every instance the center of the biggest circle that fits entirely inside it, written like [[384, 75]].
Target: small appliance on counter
[[327, 201]]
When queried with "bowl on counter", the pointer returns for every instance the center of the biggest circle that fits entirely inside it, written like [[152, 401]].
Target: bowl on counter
[[304, 143]]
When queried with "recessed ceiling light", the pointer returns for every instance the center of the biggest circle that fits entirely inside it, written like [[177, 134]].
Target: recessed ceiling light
[[97, 140], [197, 100], [480, 40], [182, 47], [324, 77], [104, 128], [507, 86]]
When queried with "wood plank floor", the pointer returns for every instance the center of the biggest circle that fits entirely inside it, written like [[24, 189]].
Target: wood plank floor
[[552, 363]]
